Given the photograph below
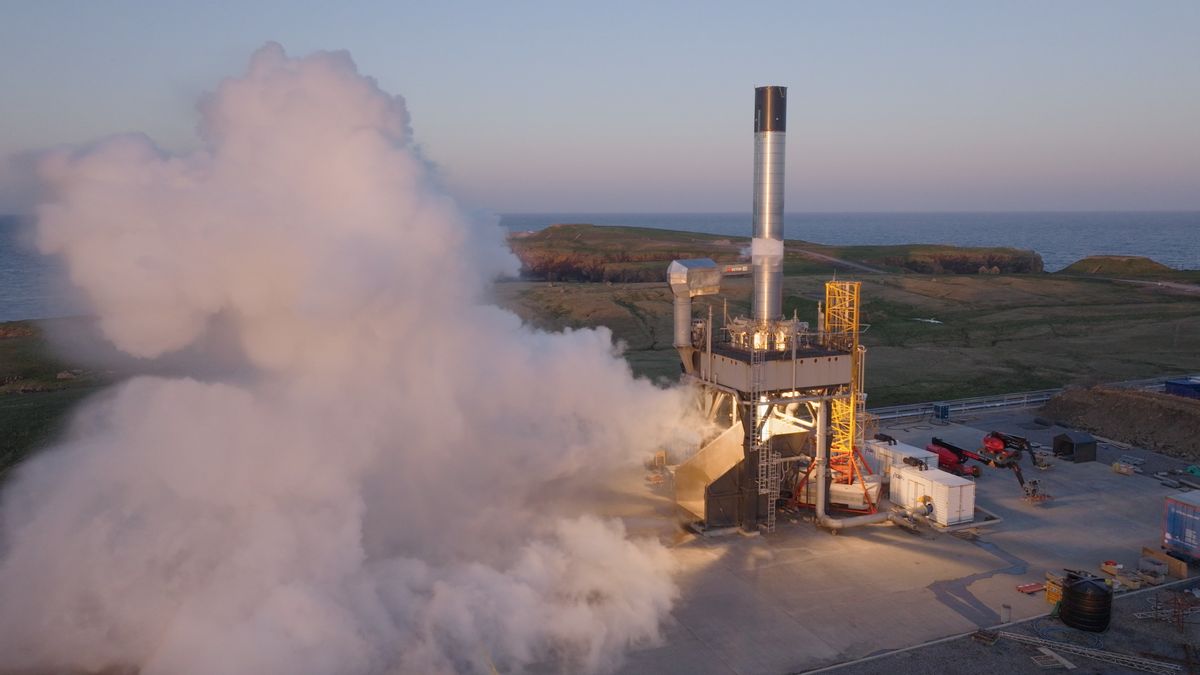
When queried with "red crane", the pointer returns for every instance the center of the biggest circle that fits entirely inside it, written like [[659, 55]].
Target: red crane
[[1000, 450]]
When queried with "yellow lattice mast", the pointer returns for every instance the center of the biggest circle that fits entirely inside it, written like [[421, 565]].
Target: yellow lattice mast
[[841, 332]]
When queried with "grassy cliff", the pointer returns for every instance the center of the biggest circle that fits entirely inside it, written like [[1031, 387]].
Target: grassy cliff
[[580, 252], [37, 390], [1128, 267]]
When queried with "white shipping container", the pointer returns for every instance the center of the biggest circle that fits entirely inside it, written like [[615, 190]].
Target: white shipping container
[[952, 497], [841, 494], [885, 458]]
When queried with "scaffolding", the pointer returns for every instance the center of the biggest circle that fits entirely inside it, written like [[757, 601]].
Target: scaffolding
[[847, 412], [841, 314]]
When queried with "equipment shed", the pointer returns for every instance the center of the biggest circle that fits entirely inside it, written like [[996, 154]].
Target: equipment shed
[[1076, 446], [1188, 387]]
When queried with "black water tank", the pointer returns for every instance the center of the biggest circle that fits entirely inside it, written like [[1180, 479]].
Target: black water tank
[[1086, 603]]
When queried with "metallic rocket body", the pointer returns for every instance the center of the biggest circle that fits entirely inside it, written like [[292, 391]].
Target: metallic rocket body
[[766, 249]]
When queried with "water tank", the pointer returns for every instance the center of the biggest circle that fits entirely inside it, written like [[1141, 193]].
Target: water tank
[[1086, 603]]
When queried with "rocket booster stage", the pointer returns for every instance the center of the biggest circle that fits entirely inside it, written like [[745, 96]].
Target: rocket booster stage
[[766, 249]]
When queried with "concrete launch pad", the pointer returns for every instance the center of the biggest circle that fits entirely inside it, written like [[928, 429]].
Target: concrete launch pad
[[802, 598]]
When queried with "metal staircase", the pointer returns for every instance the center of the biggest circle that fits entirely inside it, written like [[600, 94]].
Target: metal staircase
[[768, 461]]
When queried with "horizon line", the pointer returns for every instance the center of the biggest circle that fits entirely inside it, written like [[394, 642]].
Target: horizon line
[[1187, 211]]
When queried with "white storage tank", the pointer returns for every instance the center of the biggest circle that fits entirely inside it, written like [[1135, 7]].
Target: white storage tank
[[884, 458], [951, 497]]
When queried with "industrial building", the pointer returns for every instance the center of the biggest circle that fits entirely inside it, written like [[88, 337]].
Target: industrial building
[[785, 393], [791, 440]]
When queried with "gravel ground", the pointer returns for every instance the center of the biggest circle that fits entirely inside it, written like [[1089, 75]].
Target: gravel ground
[[1126, 634]]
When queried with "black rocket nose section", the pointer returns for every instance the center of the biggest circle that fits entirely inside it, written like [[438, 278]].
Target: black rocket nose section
[[770, 109]]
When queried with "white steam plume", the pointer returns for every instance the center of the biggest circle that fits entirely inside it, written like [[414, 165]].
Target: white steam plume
[[360, 499]]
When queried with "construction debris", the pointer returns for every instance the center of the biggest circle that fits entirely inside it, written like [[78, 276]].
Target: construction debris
[[1172, 606], [1175, 567], [1111, 567], [1051, 659], [987, 637]]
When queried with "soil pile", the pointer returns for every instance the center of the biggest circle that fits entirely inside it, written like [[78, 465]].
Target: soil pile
[[1119, 265], [1161, 422]]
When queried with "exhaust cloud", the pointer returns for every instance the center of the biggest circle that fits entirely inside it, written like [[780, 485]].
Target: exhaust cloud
[[366, 495]]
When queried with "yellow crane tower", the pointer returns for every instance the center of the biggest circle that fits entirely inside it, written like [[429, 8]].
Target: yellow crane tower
[[847, 413]]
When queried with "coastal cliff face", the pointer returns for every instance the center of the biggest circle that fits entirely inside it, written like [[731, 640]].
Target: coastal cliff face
[[627, 255], [614, 254], [953, 260]]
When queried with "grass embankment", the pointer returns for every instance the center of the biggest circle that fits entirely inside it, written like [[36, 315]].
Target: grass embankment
[[1019, 333], [579, 252], [1162, 422], [1128, 267]]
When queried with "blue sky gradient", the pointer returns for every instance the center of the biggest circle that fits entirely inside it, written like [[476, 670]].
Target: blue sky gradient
[[647, 106]]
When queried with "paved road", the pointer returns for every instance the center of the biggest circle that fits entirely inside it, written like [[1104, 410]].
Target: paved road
[[1165, 285], [839, 261], [1171, 285]]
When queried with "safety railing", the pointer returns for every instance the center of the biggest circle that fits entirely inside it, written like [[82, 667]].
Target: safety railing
[[1017, 401]]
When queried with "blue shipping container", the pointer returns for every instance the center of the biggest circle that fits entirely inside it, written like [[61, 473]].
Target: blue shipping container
[[1181, 524], [1189, 388]]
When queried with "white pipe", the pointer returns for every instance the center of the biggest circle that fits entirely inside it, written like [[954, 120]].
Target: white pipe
[[792, 419], [856, 521], [708, 340], [683, 320], [794, 340], [821, 463]]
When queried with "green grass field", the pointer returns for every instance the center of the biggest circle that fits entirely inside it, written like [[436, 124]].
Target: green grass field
[[37, 390], [32, 420], [998, 334]]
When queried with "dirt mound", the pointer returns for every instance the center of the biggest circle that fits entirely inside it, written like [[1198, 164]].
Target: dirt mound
[[14, 329], [1161, 422], [1118, 265]]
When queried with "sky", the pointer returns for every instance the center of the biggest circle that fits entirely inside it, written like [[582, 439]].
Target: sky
[[647, 107]]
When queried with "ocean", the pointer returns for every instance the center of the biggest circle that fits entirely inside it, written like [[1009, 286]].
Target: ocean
[[31, 287]]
